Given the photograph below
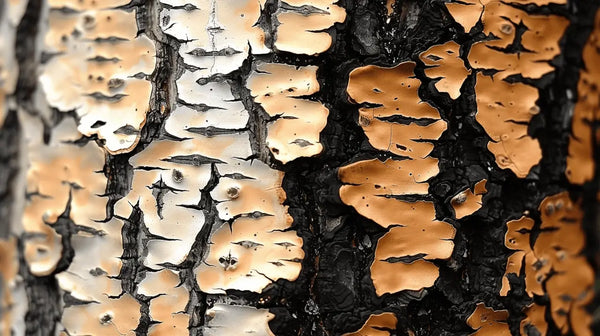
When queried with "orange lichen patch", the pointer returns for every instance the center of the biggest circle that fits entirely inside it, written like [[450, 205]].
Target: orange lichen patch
[[60, 175], [374, 187], [168, 307], [540, 41], [377, 325], [446, 65], [389, 6], [303, 25], [580, 162], [534, 321], [559, 249], [517, 238], [394, 90], [391, 274], [10, 321], [555, 261], [468, 12], [407, 140], [249, 255], [228, 320], [504, 110], [228, 32], [109, 317], [390, 177], [97, 69], [279, 88], [468, 201], [489, 322]]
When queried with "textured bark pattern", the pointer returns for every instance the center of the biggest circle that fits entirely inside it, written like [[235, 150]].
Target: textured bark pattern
[[299, 167]]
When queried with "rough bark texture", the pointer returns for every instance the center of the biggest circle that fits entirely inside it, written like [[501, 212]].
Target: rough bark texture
[[334, 292]]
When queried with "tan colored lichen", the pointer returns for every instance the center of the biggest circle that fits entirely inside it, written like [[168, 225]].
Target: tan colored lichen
[[377, 325], [394, 90], [468, 12], [540, 41], [375, 188], [580, 162], [554, 264], [489, 322], [505, 109], [229, 320], [97, 67], [303, 25], [389, 6], [468, 201], [517, 238], [168, 303], [280, 89], [444, 63], [9, 268], [534, 320]]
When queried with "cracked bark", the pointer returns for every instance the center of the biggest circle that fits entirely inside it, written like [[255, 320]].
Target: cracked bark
[[333, 293]]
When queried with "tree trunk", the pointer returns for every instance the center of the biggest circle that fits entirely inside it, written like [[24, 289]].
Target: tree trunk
[[299, 167]]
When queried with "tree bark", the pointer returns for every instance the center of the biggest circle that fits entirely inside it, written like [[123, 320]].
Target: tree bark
[[301, 167]]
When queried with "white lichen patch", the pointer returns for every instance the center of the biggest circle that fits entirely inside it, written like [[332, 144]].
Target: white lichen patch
[[281, 90], [66, 187], [217, 35], [118, 317], [60, 175], [97, 66], [228, 320]]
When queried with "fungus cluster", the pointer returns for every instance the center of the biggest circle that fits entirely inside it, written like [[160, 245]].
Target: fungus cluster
[[505, 106], [396, 121], [97, 65]]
